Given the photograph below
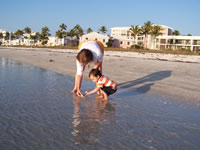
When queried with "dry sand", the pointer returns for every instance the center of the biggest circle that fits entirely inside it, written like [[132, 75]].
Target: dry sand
[[173, 76]]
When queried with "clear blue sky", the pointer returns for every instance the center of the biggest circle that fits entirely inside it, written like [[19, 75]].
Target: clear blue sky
[[182, 15]]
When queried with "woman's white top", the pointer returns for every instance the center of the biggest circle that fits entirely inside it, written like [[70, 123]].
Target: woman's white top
[[96, 51]]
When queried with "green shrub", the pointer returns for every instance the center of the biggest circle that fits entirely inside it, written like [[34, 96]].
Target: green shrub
[[109, 44], [135, 46]]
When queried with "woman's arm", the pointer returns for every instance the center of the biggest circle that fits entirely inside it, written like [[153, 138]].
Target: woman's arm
[[98, 65], [78, 78], [77, 85]]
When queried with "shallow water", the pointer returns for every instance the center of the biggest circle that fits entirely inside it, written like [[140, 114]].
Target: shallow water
[[38, 111]]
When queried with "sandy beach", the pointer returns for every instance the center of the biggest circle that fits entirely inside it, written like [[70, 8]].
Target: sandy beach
[[175, 76]]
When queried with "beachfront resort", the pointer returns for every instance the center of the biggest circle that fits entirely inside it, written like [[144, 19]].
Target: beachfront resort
[[120, 37]]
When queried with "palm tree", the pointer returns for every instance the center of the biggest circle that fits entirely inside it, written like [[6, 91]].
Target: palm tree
[[89, 30], [61, 33], [35, 37], [18, 33], [37, 34], [134, 31], [63, 27], [44, 35], [176, 33], [27, 30], [78, 31], [12, 36], [156, 31], [7, 36], [1, 35], [146, 30], [103, 29], [71, 33]]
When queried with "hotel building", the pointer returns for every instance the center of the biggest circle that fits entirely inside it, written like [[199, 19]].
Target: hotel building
[[125, 40], [178, 42], [164, 42]]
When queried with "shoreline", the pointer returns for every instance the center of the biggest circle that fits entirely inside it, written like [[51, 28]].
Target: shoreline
[[143, 55], [175, 76]]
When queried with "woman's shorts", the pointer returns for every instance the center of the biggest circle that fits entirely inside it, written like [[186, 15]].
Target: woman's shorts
[[108, 90]]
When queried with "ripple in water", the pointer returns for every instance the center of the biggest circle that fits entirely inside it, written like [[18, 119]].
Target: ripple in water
[[38, 111]]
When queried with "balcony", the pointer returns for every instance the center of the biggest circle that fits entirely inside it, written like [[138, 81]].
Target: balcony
[[196, 42]]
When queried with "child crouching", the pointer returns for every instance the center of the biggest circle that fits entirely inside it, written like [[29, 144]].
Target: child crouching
[[104, 86]]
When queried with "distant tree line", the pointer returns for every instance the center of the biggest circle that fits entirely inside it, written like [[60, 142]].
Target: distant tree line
[[76, 32], [42, 36]]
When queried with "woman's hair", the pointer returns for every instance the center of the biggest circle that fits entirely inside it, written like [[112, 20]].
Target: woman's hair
[[95, 72], [84, 56]]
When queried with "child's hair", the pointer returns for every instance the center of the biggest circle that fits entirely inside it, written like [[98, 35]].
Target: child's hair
[[84, 56], [95, 72]]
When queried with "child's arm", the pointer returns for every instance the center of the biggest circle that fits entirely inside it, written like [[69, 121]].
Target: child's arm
[[92, 92]]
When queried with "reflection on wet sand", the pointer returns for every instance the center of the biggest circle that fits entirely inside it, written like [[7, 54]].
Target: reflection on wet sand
[[88, 117]]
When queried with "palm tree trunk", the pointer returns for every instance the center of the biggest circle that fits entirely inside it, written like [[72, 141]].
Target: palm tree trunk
[[145, 41]]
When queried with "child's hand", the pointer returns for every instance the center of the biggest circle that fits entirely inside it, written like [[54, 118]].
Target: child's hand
[[86, 93]]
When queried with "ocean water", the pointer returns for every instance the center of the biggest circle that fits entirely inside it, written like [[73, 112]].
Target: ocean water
[[39, 112]]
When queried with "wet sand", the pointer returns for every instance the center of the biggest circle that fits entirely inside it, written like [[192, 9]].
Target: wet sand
[[38, 111], [175, 77]]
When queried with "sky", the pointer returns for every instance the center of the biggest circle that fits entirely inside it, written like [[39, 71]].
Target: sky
[[182, 15]]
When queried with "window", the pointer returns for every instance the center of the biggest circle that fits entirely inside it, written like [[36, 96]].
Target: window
[[104, 40], [128, 43], [187, 42], [95, 38], [121, 42], [170, 41], [163, 41], [140, 38], [86, 38]]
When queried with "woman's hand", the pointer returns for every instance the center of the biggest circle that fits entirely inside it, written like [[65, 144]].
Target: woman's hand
[[77, 86], [77, 92], [74, 90]]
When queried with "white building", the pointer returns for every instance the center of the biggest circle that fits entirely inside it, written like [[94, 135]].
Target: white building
[[23, 40], [95, 36], [120, 32], [2, 41], [55, 41], [3, 32], [178, 42]]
